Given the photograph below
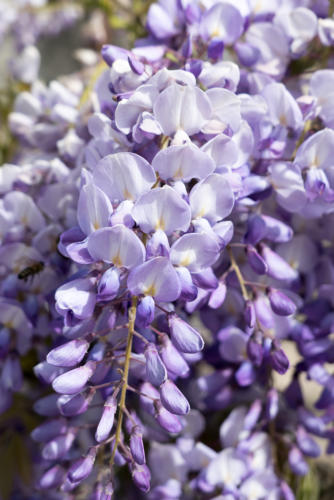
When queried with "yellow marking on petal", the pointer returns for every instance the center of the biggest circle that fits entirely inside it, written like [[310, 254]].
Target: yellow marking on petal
[[187, 259], [216, 33], [151, 290], [201, 212], [8, 325], [178, 174], [283, 120], [127, 195], [96, 225], [315, 163], [160, 224], [117, 261], [257, 6]]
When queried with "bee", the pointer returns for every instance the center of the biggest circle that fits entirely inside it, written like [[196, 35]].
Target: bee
[[31, 271]]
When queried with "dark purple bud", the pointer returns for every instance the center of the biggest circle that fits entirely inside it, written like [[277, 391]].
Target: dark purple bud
[[249, 314], [82, 467], [216, 49], [136, 66], [74, 381], [255, 352], [272, 404], [278, 268], [107, 419], [245, 375], [279, 360], [11, 375], [217, 297], [167, 420], [52, 478], [49, 430], [307, 444], [59, 446], [255, 260], [145, 311], [137, 446], [69, 354], [184, 337], [280, 303], [141, 477], [156, 372], [108, 285], [173, 360], [70, 406], [188, 289], [297, 462], [173, 399]]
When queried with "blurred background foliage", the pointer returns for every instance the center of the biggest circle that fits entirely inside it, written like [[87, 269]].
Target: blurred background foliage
[[118, 22]]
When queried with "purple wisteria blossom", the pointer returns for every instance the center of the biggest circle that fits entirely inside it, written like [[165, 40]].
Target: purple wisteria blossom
[[167, 256]]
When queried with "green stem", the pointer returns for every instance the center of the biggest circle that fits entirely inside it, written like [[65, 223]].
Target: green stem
[[121, 406], [241, 280]]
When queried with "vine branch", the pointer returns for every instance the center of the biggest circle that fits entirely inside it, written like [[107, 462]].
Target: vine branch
[[131, 329]]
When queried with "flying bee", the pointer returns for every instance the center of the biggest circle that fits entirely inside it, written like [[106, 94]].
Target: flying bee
[[31, 271]]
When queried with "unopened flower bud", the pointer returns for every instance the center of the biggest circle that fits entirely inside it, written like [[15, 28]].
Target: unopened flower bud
[[173, 399], [156, 372], [280, 303], [137, 446], [69, 354], [167, 420], [107, 419], [74, 381], [184, 337], [82, 467]]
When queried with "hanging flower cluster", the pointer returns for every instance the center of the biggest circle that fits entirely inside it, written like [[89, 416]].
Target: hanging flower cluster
[[170, 231]]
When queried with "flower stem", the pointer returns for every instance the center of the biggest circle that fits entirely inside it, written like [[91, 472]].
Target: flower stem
[[132, 318], [241, 280]]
